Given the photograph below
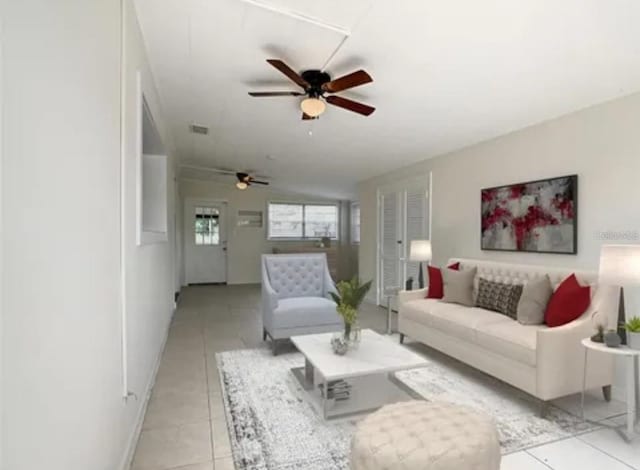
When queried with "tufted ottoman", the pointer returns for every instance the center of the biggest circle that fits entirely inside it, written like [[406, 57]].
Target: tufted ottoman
[[426, 436]]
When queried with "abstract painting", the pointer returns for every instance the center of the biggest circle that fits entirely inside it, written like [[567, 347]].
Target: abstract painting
[[538, 216]]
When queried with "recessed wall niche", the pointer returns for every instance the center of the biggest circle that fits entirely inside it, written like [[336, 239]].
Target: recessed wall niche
[[152, 179]]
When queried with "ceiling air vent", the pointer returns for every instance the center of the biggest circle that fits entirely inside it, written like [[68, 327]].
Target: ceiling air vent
[[196, 129]]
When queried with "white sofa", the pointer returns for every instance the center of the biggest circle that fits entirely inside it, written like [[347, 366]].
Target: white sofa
[[545, 362], [295, 296]]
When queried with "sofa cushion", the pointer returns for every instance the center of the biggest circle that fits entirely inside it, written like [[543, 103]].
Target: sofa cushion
[[568, 302], [304, 311], [418, 310], [458, 286], [499, 297], [510, 339], [461, 322], [533, 302], [435, 287]]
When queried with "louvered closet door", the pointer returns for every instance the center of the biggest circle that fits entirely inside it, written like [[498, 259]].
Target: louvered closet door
[[390, 248], [416, 212], [404, 216]]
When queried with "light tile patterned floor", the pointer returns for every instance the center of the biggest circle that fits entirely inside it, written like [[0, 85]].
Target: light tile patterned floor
[[185, 427]]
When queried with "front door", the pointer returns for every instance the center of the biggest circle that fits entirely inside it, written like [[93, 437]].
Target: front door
[[205, 242]]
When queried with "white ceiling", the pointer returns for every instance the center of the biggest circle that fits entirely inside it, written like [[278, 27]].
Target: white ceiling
[[446, 73]]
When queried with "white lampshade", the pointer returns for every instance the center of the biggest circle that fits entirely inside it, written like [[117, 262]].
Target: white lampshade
[[420, 250], [620, 265]]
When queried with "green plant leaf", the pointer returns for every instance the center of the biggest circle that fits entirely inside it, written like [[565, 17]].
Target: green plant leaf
[[633, 325]]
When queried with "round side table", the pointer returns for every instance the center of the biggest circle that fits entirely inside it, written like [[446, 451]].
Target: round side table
[[632, 358]]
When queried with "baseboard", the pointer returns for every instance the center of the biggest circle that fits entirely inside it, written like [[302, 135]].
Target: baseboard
[[127, 460]]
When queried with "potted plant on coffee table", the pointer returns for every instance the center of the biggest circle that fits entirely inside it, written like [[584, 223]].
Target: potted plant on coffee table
[[348, 299], [633, 332]]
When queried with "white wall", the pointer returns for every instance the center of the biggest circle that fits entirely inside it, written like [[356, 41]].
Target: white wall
[[600, 144], [245, 245], [61, 343], [150, 268], [1, 229]]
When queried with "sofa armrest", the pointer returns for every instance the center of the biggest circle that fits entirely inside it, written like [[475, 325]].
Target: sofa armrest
[[560, 360], [405, 296]]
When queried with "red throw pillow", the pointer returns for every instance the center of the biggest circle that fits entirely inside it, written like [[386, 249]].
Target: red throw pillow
[[436, 287], [568, 302]]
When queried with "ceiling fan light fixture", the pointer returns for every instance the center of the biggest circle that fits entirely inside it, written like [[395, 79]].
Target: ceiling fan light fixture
[[241, 185], [313, 107]]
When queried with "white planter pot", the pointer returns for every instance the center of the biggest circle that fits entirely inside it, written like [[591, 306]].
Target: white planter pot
[[633, 340]]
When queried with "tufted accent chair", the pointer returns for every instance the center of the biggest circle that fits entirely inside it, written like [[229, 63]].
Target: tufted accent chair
[[295, 296]]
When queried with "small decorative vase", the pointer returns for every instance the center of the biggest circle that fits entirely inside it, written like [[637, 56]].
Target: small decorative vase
[[352, 334], [347, 331], [633, 340], [612, 339]]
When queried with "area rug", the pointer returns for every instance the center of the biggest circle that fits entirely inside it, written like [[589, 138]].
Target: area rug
[[273, 426]]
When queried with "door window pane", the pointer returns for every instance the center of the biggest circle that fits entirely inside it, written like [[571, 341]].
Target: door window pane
[[207, 226]]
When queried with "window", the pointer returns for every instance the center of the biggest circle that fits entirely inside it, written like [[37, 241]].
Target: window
[[303, 221], [207, 228], [355, 223]]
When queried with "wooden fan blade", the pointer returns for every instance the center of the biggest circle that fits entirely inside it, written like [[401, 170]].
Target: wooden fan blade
[[306, 117], [348, 81], [350, 105], [274, 93], [293, 76], [266, 183]]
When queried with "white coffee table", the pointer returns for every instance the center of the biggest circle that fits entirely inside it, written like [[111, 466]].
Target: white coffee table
[[361, 380]]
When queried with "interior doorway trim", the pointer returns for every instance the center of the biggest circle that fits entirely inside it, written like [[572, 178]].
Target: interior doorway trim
[[401, 187], [224, 234]]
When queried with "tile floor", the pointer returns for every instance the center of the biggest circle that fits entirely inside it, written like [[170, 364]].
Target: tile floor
[[185, 429]]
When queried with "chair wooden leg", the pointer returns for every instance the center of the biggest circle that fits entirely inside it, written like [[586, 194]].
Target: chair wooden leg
[[401, 338], [606, 392]]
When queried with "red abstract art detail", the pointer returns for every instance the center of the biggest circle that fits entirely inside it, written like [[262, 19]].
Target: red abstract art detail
[[539, 216]]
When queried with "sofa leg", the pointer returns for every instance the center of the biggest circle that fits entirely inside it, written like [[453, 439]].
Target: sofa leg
[[606, 392], [264, 334], [544, 407], [401, 338]]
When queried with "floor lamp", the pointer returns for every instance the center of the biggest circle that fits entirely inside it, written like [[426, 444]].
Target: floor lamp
[[420, 251], [620, 266]]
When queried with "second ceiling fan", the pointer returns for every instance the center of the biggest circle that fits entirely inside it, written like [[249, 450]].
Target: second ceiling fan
[[316, 84]]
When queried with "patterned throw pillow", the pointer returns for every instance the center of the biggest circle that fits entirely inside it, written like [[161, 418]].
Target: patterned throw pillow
[[499, 297]]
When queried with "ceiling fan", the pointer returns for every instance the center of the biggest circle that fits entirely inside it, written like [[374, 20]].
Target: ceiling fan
[[316, 84], [244, 178]]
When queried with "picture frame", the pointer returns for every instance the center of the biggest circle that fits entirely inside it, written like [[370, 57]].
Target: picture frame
[[539, 216]]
